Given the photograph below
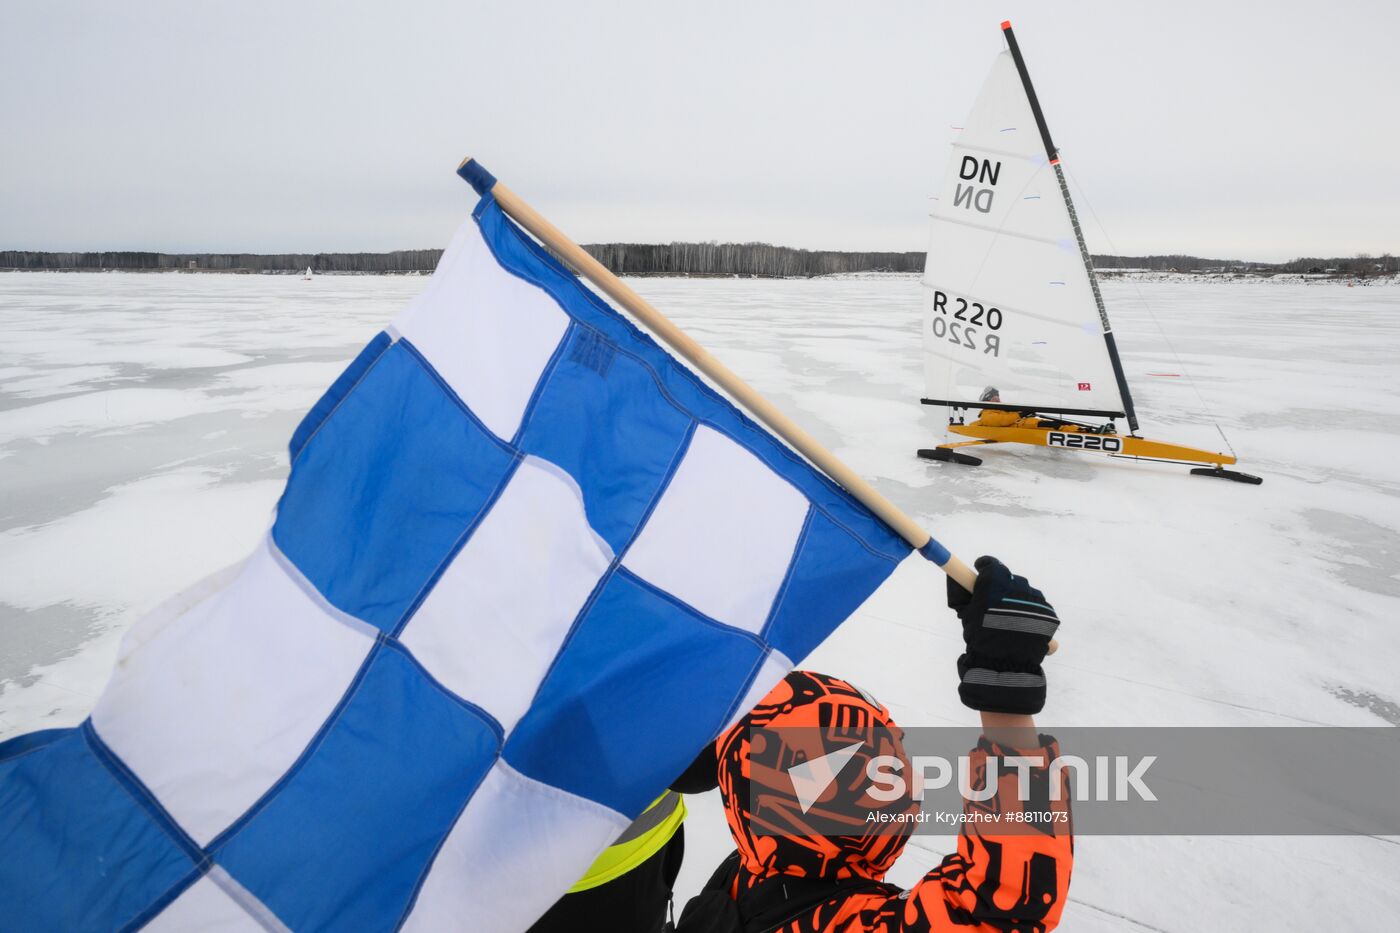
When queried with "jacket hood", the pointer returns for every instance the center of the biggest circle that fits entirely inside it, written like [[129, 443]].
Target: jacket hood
[[771, 810]]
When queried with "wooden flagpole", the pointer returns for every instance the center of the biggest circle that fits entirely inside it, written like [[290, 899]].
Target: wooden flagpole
[[762, 409]]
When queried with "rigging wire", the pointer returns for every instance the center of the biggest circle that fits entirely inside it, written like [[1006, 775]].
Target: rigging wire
[[1084, 199]]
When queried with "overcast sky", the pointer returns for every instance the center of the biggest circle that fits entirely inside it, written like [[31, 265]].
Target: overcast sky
[[1252, 130]]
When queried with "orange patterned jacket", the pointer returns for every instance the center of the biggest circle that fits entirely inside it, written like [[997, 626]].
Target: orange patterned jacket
[[1006, 876]]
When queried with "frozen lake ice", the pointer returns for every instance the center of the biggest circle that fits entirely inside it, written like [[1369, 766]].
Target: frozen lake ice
[[143, 430]]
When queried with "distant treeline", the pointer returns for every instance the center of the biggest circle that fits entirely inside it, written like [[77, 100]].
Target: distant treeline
[[1361, 265], [757, 259], [743, 259], [406, 260], [746, 259]]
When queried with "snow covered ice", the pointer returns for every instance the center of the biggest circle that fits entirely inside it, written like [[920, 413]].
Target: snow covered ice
[[143, 430]]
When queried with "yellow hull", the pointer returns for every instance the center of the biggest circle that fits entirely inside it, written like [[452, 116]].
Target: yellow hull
[[1073, 437]]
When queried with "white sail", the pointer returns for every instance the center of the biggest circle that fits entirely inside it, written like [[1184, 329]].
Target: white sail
[[1009, 301]]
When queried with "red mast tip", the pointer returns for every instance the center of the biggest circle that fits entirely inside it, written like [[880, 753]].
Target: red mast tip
[[1006, 24]]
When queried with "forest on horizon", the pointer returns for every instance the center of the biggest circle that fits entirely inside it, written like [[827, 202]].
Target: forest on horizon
[[761, 260]]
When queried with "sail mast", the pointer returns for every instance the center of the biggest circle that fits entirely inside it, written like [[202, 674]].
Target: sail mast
[[1052, 154]]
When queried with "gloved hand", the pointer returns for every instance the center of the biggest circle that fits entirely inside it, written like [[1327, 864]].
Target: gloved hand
[[1007, 626]]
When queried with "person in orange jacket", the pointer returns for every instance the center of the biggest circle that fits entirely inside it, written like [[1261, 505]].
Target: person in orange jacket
[[999, 418], [784, 877]]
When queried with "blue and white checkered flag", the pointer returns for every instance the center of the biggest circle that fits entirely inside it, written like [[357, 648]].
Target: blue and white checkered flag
[[525, 566]]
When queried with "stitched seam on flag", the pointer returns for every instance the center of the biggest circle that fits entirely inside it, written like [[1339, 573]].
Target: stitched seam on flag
[[704, 390], [564, 476], [306, 444], [559, 793], [573, 627], [331, 414], [142, 796], [743, 691], [720, 429], [859, 538], [781, 596], [308, 589], [487, 719], [155, 908], [616, 561], [528, 276], [545, 375], [237, 826], [516, 454], [682, 449], [727, 434], [567, 478], [145, 799], [382, 642], [723, 432], [442, 841], [246, 901], [516, 778], [665, 393], [348, 389], [452, 394], [682, 604], [517, 458]]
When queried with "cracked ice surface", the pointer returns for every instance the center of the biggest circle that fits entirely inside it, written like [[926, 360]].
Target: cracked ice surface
[[144, 418]]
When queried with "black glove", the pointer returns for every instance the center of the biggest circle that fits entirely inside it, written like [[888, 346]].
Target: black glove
[[1007, 625]]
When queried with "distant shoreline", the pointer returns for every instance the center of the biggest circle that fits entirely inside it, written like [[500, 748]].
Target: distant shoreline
[[691, 260], [1105, 275]]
